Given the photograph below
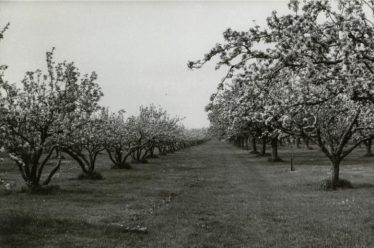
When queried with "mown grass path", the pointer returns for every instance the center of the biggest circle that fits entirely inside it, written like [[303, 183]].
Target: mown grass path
[[238, 200], [212, 195]]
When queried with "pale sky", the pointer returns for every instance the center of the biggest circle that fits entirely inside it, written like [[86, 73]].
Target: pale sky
[[140, 50]]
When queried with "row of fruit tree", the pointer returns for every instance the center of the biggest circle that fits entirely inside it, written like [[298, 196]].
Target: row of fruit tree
[[58, 112], [307, 74]]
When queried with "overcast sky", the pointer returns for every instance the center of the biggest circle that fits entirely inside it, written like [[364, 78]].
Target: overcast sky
[[139, 49]]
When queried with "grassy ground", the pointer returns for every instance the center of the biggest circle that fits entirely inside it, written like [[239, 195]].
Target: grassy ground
[[213, 195]]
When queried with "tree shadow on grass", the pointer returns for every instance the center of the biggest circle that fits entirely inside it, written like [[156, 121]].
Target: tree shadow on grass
[[362, 185], [317, 186], [56, 190], [25, 230], [22, 229]]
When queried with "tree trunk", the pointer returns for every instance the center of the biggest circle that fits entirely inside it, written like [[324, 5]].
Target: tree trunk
[[307, 144], [125, 165], [298, 142], [263, 148], [246, 143], [241, 142], [152, 152], [254, 146], [87, 164], [162, 151], [53, 172], [369, 152], [32, 182], [335, 174], [143, 158], [274, 151]]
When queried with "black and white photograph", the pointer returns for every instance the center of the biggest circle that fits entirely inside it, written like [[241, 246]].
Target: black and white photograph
[[186, 124]]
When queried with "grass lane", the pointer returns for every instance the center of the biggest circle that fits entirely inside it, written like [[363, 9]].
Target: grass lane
[[240, 200]]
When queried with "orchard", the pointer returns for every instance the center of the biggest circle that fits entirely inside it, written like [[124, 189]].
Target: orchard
[[111, 150]]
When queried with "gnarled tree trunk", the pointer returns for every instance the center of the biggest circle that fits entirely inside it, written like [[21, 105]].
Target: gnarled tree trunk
[[274, 151], [87, 163], [31, 168], [119, 158], [368, 145]]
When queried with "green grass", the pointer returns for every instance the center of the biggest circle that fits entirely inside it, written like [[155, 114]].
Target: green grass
[[213, 195]]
